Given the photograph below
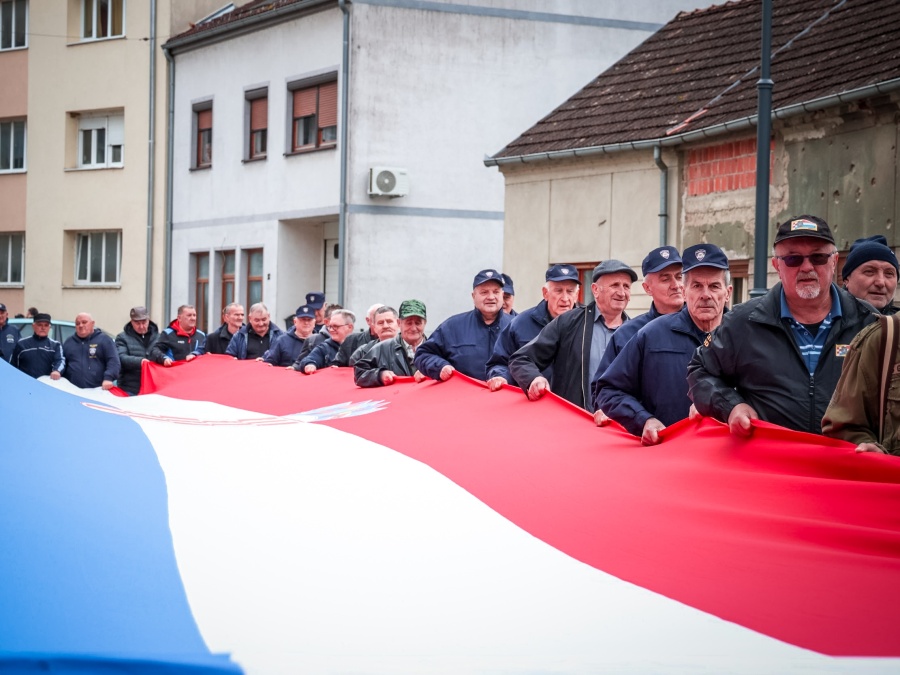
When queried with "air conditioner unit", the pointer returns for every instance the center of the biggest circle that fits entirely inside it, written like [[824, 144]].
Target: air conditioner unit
[[388, 182]]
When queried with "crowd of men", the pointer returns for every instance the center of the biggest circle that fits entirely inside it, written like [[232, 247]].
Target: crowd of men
[[776, 358]]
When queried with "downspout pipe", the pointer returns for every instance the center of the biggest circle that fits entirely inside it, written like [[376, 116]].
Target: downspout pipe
[[170, 145], [763, 139], [345, 106], [151, 159], [663, 195]]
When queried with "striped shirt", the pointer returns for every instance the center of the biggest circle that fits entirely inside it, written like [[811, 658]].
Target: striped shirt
[[811, 345]]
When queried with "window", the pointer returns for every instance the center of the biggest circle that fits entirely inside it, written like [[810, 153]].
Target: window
[[203, 149], [12, 256], [314, 115], [201, 288], [102, 19], [227, 278], [258, 105], [12, 146], [97, 257], [13, 24], [254, 276], [100, 141]]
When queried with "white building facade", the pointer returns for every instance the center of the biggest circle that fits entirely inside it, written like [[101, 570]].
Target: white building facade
[[429, 89]]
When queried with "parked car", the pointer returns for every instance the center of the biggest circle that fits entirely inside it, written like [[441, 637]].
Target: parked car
[[59, 330]]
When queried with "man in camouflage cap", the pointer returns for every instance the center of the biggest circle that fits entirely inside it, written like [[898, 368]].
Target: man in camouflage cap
[[387, 360]]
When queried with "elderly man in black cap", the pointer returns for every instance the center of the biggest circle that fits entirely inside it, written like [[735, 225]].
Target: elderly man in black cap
[[464, 342], [39, 354], [560, 293], [779, 357], [645, 387], [9, 334], [870, 273], [574, 342], [509, 295], [134, 344]]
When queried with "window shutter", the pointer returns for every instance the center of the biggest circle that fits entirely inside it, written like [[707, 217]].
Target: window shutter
[[328, 105], [204, 119], [116, 130], [304, 102], [259, 114]]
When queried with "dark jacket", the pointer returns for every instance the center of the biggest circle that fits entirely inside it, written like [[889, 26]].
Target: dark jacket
[[617, 343], [523, 328], [649, 376], [9, 336], [175, 344], [463, 341], [564, 343], [382, 356], [754, 359], [321, 356], [286, 349], [134, 348], [38, 356], [313, 341], [218, 340], [247, 339], [91, 360], [350, 344]]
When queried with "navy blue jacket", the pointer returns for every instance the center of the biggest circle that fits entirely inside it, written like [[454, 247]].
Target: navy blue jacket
[[9, 336], [463, 341], [240, 340], [321, 356], [523, 328], [91, 360], [286, 349], [618, 341], [39, 356], [649, 376]]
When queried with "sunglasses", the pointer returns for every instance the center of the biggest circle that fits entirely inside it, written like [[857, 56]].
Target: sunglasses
[[817, 259]]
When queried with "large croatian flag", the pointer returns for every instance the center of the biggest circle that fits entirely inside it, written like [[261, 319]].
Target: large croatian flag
[[237, 517]]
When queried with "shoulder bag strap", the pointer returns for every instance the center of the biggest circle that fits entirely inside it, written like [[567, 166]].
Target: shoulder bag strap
[[889, 339]]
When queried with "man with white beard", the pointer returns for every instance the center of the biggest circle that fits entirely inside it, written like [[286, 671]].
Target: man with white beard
[[778, 357]]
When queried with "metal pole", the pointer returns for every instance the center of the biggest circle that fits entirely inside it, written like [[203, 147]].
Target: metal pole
[[763, 139]]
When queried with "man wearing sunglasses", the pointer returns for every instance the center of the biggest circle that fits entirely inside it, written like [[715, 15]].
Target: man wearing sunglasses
[[779, 357]]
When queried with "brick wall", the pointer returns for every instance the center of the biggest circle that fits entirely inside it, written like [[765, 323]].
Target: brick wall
[[722, 168]]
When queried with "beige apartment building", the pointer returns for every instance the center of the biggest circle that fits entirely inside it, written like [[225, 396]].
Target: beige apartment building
[[83, 154]]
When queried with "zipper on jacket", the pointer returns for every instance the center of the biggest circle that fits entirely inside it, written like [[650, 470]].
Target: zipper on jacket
[[812, 406]]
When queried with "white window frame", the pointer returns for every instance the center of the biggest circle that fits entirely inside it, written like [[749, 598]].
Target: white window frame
[[85, 254], [8, 128], [10, 11], [101, 132], [7, 253], [92, 6]]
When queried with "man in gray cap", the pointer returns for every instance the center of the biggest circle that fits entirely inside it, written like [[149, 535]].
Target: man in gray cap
[[870, 273], [133, 345], [778, 357], [573, 343]]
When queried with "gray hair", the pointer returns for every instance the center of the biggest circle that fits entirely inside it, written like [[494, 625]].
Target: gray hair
[[257, 308], [230, 306], [384, 309], [349, 316]]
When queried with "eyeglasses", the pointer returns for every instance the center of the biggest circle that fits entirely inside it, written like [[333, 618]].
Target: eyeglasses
[[332, 328], [817, 259]]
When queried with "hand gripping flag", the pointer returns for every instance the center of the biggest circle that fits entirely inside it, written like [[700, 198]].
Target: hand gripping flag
[[301, 524]]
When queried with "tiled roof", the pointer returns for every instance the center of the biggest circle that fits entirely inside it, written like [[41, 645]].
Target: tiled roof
[[694, 73], [240, 15]]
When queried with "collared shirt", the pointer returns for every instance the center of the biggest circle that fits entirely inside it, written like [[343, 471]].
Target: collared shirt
[[811, 345], [600, 338], [411, 349]]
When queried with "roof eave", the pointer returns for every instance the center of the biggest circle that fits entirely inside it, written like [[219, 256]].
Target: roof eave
[[227, 31], [707, 132]]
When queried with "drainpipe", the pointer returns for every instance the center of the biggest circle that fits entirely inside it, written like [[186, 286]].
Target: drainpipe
[[151, 158], [342, 205], [170, 145], [763, 139], [663, 195]]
